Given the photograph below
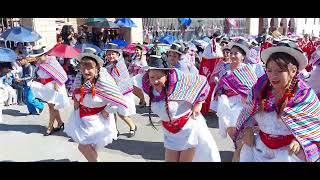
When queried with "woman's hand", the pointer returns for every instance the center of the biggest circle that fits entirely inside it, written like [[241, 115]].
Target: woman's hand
[[76, 104], [105, 114], [196, 110], [294, 147], [248, 137], [56, 86]]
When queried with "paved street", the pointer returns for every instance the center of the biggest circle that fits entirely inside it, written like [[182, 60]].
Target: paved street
[[21, 139]]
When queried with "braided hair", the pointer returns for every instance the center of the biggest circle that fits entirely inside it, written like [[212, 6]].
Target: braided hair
[[166, 99]]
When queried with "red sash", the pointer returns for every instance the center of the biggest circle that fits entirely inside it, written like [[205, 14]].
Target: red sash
[[176, 125], [275, 142], [85, 111], [45, 81]]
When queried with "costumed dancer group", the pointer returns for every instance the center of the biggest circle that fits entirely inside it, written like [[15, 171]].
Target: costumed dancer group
[[268, 112]]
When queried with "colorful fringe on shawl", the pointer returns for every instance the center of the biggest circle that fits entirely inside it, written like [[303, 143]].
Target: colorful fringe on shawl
[[121, 75], [54, 70], [105, 87], [240, 81], [184, 87]]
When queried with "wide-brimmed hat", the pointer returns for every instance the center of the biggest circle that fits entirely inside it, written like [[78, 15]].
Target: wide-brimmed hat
[[158, 62], [242, 44], [226, 47], [175, 47], [113, 47], [139, 46], [289, 48], [38, 51], [92, 53]]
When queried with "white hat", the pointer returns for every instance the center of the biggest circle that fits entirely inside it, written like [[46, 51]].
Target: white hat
[[289, 48], [90, 52], [175, 47], [38, 51], [241, 43]]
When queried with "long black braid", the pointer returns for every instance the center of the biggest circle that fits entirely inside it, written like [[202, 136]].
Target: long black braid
[[166, 96], [150, 100], [166, 100]]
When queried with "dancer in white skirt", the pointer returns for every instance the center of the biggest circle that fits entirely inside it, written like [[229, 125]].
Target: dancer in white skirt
[[313, 81], [177, 99], [280, 121], [3, 98], [49, 86], [135, 68], [118, 70], [96, 98], [233, 88]]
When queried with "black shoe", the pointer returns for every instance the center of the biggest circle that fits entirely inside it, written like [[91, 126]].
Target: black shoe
[[61, 127], [34, 113], [48, 133], [40, 111], [142, 104], [118, 133], [132, 132]]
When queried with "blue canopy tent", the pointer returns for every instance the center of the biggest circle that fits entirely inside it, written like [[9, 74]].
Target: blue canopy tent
[[125, 22]]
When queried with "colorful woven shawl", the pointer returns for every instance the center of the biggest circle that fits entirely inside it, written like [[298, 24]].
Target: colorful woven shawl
[[182, 87], [54, 70], [240, 80], [302, 116], [106, 88], [121, 75]]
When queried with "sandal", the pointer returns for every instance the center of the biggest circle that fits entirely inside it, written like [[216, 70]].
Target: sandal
[[142, 104], [133, 132], [61, 127]]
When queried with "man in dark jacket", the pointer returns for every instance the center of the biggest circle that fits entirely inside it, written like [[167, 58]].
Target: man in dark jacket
[[28, 73]]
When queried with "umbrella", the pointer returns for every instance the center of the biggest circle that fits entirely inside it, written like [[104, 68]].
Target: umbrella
[[185, 21], [120, 43], [63, 51], [93, 21], [7, 55], [20, 34], [125, 22], [168, 39], [106, 24], [87, 45]]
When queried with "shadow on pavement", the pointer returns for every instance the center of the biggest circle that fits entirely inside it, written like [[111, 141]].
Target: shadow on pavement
[[29, 128], [143, 110], [45, 160], [148, 150], [212, 120], [226, 156], [55, 160], [13, 112]]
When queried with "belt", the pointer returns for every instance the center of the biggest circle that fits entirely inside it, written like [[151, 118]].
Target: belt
[[176, 125], [86, 111], [275, 142], [45, 81]]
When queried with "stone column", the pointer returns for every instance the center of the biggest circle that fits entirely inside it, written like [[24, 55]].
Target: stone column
[[46, 27], [136, 33], [253, 26]]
